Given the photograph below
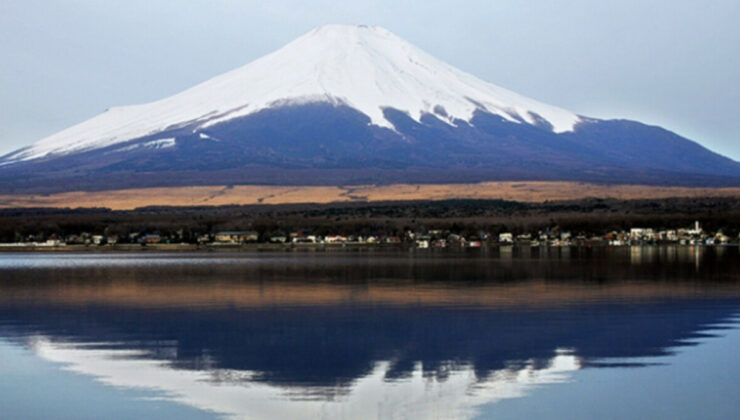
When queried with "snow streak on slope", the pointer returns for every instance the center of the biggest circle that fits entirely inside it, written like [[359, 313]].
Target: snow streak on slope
[[366, 68]]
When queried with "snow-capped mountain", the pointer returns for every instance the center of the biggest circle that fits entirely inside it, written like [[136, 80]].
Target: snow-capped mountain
[[365, 68], [365, 104]]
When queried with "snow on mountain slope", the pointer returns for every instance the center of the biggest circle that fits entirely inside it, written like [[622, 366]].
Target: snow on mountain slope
[[366, 68]]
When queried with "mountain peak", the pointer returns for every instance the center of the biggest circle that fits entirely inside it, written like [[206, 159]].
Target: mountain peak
[[343, 28], [348, 31]]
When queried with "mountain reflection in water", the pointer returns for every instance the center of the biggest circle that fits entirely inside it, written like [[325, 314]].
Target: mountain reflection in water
[[361, 334]]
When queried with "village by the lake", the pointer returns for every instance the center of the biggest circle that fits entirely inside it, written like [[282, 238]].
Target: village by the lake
[[429, 238]]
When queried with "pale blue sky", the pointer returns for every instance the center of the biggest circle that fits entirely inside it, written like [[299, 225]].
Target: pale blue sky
[[674, 63]]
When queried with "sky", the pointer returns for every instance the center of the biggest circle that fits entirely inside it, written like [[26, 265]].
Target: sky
[[673, 63]]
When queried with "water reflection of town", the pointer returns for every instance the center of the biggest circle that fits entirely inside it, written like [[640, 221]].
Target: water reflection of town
[[674, 254], [668, 255]]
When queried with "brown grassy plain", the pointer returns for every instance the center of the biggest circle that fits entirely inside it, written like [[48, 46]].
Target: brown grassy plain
[[533, 192]]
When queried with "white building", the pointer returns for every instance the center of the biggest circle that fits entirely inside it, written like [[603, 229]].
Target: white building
[[697, 230]]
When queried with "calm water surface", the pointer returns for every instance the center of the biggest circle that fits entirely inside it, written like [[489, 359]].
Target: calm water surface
[[648, 332]]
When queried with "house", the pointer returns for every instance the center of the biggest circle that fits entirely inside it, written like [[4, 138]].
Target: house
[[307, 239], [150, 239], [422, 243], [74, 240], [302, 236], [636, 233], [456, 240], [278, 239], [335, 239], [697, 230], [669, 235], [236, 237], [422, 237], [506, 238], [524, 237], [392, 240], [721, 238], [642, 234]]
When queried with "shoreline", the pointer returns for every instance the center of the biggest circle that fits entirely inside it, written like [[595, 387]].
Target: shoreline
[[251, 247]]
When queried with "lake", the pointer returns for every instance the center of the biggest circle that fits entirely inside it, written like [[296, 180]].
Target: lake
[[559, 333]]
